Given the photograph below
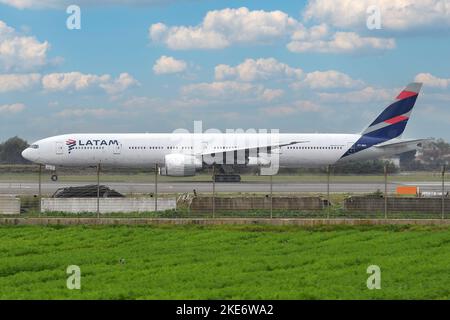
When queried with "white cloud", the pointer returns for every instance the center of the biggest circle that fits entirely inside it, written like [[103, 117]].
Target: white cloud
[[165, 65], [441, 97], [82, 112], [220, 89], [271, 94], [160, 105], [330, 79], [221, 28], [340, 42], [183, 38], [19, 52], [79, 81], [72, 81], [260, 69], [53, 104], [157, 31], [119, 85], [67, 81], [57, 4], [12, 108], [397, 15], [12, 82], [231, 90], [368, 94], [429, 80], [140, 102], [293, 108], [25, 4], [310, 34], [252, 70]]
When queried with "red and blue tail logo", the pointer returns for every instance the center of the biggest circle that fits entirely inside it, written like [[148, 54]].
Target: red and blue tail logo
[[391, 122]]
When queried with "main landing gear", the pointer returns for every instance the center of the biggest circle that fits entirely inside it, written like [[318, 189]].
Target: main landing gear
[[54, 177], [225, 174], [227, 178]]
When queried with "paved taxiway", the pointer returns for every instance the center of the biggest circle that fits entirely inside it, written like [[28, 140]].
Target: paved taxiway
[[30, 188]]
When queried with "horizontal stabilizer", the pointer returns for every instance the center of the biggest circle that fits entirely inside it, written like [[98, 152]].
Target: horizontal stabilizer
[[401, 144]]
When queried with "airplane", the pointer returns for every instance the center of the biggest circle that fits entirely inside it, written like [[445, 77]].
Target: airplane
[[183, 154]]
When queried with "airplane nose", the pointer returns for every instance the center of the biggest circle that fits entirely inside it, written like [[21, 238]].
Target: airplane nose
[[27, 154]]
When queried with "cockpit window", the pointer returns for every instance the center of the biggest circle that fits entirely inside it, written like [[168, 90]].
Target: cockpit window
[[34, 146]]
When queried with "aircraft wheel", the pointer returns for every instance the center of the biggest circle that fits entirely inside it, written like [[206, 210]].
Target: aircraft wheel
[[54, 177]]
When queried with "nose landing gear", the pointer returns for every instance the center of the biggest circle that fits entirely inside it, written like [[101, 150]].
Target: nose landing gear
[[52, 169]]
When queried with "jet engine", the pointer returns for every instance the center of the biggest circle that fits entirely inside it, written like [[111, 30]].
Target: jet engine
[[180, 165], [263, 160]]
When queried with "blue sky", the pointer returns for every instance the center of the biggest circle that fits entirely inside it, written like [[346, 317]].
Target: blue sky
[[155, 66]]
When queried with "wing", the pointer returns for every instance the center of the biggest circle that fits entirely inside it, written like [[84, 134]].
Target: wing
[[252, 149]]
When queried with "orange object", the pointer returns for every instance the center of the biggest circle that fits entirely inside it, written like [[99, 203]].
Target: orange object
[[407, 190]]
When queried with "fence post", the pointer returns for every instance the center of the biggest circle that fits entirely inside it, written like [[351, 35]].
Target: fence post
[[156, 188], [214, 193], [98, 191], [328, 191], [443, 191], [271, 197], [40, 189], [385, 191]]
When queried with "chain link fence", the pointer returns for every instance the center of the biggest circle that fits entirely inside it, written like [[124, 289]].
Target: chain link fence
[[106, 192]]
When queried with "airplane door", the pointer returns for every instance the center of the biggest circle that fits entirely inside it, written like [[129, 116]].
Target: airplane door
[[59, 148], [117, 148], [204, 146]]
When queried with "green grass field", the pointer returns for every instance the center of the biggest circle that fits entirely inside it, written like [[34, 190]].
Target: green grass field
[[224, 262]]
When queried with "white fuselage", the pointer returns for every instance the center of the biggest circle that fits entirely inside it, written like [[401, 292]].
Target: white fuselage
[[145, 150], [181, 154]]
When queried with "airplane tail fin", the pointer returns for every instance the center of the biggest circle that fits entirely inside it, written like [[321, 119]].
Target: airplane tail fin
[[392, 121]]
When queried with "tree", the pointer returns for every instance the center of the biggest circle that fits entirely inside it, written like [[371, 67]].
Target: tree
[[364, 167], [434, 154], [11, 151], [408, 161]]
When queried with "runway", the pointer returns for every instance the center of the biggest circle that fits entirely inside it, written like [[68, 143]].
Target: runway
[[48, 188]]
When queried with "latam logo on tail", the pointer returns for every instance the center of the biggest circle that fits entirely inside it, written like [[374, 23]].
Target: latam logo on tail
[[391, 122], [71, 143]]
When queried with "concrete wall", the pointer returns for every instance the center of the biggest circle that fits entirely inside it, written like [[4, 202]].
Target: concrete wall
[[9, 205], [396, 204], [107, 205], [204, 204]]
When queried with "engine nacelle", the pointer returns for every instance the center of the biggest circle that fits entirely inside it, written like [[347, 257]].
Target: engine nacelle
[[262, 161], [180, 165]]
